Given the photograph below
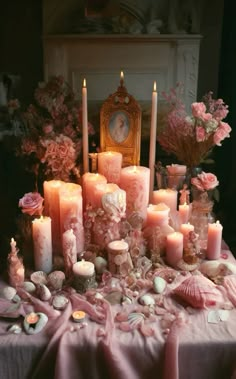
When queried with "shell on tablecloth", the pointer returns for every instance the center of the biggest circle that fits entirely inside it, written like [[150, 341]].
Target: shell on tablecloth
[[15, 329], [29, 287], [39, 277], [159, 284], [44, 292], [35, 328], [135, 319], [7, 292], [146, 299], [59, 301], [216, 268], [56, 279]]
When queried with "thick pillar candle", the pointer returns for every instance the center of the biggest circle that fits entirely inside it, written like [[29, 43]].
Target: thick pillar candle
[[109, 165], [174, 248], [85, 128], [89, 180], [153, 137], [135, 180], [184, 211], [42, 240], [185, 229], [157, 215], [102, 189], [214, 240], [69, 251], [167, 196]]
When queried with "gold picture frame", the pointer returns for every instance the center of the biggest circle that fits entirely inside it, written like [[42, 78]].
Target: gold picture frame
[[120, 125]]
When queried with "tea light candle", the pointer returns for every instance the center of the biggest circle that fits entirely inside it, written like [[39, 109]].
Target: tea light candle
[[78, 316], [214, 240], [89, 180], [109, 165], [83, 268], [32, 318], [157, 215], [85, 127], [135, 181], [174, 248], [184, 213], [167, 196], [42, 240], [185, 229]]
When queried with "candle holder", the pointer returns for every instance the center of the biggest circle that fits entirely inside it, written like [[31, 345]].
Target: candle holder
[[82, 283], [119, 260]]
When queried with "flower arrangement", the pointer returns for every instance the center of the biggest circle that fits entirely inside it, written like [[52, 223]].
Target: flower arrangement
[[51, 142], [205, 181], [192, 138]]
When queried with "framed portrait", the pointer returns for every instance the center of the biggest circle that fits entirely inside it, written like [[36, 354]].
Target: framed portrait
[[120, 126]]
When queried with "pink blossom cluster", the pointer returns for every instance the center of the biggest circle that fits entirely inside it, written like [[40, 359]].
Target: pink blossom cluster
[[32, 204], [205, 181]]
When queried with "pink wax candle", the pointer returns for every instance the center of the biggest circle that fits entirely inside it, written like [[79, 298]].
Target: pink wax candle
[[185, 229], [69, 250], [52, 209], [167, 196], [109, 165], [100, 190], [71, 212], [174, 248], [135, 180], [42, 240], [214, 240], [89, 180], [184, 213], [157, 215]]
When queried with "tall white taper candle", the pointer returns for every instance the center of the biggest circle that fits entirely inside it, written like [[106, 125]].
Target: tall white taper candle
[[153, 134], [85, 127]]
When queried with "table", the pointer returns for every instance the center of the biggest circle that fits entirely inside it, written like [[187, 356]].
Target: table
[[193, 348]]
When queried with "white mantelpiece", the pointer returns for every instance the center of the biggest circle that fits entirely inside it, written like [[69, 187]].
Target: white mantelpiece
[[168, 59]]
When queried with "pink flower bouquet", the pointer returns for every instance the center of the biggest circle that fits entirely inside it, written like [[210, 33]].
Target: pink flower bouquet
[[205, 181]]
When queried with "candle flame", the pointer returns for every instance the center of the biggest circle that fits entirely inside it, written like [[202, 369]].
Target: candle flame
[[84, 83], [122, 75], [155, 86]]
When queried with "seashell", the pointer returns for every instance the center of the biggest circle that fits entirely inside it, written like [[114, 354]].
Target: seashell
[[159, 284], [126, 300], [16, 298], [98, 296], [135, 319], [146, 299], [7, 292], [38, 277], [44, 292], [100, 264], [16, 329], [59, 302], [56, 279], [29, 287], [38, 326], [215, 268]]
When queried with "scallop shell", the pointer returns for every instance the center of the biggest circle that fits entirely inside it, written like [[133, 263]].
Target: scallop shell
[[29, 287], [135, 319], [159, 284], [7, 292], [146, 300], [56, 279], [59, 302], [39, 277], [44, 292]]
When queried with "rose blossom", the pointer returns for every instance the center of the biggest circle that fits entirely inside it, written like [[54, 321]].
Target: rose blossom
[[200, 134], [205, 181], [198, 109], [221, 133], [31, 203]]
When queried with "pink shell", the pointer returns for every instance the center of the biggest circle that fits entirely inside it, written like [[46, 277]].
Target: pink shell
[[199, 292]]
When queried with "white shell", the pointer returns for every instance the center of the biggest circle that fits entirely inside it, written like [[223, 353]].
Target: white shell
[[16, 329], [56, 279], [214, 268], [38, 277], [100, 264], [146, 300], [7, 292], [29, 287], [44, 293], [159, 284], [43, 319], [59, 302]]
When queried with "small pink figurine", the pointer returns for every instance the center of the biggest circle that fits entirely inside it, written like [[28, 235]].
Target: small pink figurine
[[184, 197], [16, 270]]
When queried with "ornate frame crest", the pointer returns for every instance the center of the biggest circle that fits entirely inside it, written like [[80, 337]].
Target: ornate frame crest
[[120, 125]]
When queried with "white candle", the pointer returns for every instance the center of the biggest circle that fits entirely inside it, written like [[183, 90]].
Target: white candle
[[83, 268], [214, 240], [157, 215], [118, 246], [185, 229], [153, 132], [109, 165], [42, 239], [167, 196], [69, 250], [85, 127], [174, 248], [184, 213]]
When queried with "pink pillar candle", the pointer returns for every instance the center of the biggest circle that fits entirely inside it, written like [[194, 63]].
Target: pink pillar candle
[[100, 190], [135, 180], [174, 248], [109, 165], [42, 240], [214, 240], [89, 180], [69, 251], [157, 215], [52, 209], [71, 212], [185, 229], [184, 213], [167, 196]]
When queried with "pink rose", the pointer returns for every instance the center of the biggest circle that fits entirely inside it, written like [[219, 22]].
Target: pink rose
[[198, 109], [200, 134], [221, 133], [205, 181], [31, 203]]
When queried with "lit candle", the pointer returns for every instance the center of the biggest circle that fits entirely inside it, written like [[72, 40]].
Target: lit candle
[[51, 190], [176, 175], [78, 316], [109, 165], [185, 229], [214, 240], [157, 215], [174, 248], [121, 78], [85, 127], [42, 240], [32, 318], [16, 270], [167, 196], [153, 133], [184, 213], [71, 212], [135, 180], [69, 250], [83, 268], [89, 180]]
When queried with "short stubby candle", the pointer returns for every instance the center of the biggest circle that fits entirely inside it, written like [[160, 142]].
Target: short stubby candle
[[135, 180], [185, 229], [83, 268], [118, 256], [184, 212], [109, 165], [42, 240], [157, 215], [174, 248], [176, 169], [89, 180], [214, 240], [167, 196]]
